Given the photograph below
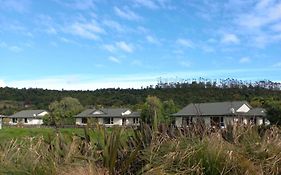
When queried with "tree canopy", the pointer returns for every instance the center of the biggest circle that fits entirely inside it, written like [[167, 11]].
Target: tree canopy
[[63, 111]]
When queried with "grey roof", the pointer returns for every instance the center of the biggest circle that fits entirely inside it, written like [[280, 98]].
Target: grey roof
[[107, 112], [27, 114], [206, 109], [256, 112]]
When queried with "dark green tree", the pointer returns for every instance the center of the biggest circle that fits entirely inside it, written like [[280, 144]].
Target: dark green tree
[[62, 112]]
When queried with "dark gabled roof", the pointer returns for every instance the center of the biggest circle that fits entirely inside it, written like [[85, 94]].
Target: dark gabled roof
[[106, 112], [28, 114], [256, 112], [134, 114], [217, 108]]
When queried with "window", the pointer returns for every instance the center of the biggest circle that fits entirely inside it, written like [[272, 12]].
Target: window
[[136, 120], [124, 121], [84, 120], [108, 120], [186, 121], [14, 120], [25, 120], [221, 122]]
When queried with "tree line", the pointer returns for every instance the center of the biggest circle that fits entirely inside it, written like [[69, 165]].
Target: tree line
[[260, 94]]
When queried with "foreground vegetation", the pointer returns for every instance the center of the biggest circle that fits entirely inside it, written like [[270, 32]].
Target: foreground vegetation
[[162, 150]]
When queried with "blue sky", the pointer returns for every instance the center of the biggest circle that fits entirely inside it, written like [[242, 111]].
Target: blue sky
[[89, 44]]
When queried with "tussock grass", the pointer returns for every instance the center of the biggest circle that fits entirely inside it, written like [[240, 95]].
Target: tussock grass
[[166, 150]]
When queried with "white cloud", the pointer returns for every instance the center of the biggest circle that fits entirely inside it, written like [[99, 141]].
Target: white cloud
[[147, 3], [77, 4], [47, 24], [109, 47], [12, 48], [230, 38], [114, 59], [85, 82], [126, 13], [2, 83], [152, 39], [244, 60], [114, 25], [155, 4], [265, 13], [15, 49], [88, 30], [92, 82], [125, 46], [184, 42]]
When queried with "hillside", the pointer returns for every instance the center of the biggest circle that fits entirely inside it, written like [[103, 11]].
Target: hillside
[[12, 99]]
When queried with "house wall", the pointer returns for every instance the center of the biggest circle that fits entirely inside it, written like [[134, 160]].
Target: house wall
[[178, 121], [78, 121], [259, 121], [243, 108], [100, 121], [30, 121], [228, 120]]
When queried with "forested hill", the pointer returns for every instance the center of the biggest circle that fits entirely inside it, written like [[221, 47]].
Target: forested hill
[[12, 99]]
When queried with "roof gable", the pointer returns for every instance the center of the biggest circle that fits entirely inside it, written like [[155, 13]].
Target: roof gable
[[217, 108], [105, 112], [29, 114]]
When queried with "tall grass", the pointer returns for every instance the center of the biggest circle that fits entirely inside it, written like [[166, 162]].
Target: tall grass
[[166, 150]]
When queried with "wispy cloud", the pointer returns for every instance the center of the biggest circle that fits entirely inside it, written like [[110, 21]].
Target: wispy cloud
[[152, 40], [114, 59], [230, 38], [77, 4], [125, 46], [185, 42], [147, 3], [114, 25], [244, 60], [155, 4], [47, 24], [88, 30], [126, 13], [12, 48], [109, 47]]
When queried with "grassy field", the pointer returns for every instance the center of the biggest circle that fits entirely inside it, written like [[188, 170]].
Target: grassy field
[[20, 133]]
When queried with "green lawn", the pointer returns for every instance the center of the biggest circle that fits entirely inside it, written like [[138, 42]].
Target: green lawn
[[7, 134], [17, 133]]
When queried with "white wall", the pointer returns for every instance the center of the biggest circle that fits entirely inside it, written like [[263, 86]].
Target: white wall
[[126, 112], [178, 121], [259, 121], [117, 121], [78, 121], [243, 108], [32, 121], [43, 113]]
